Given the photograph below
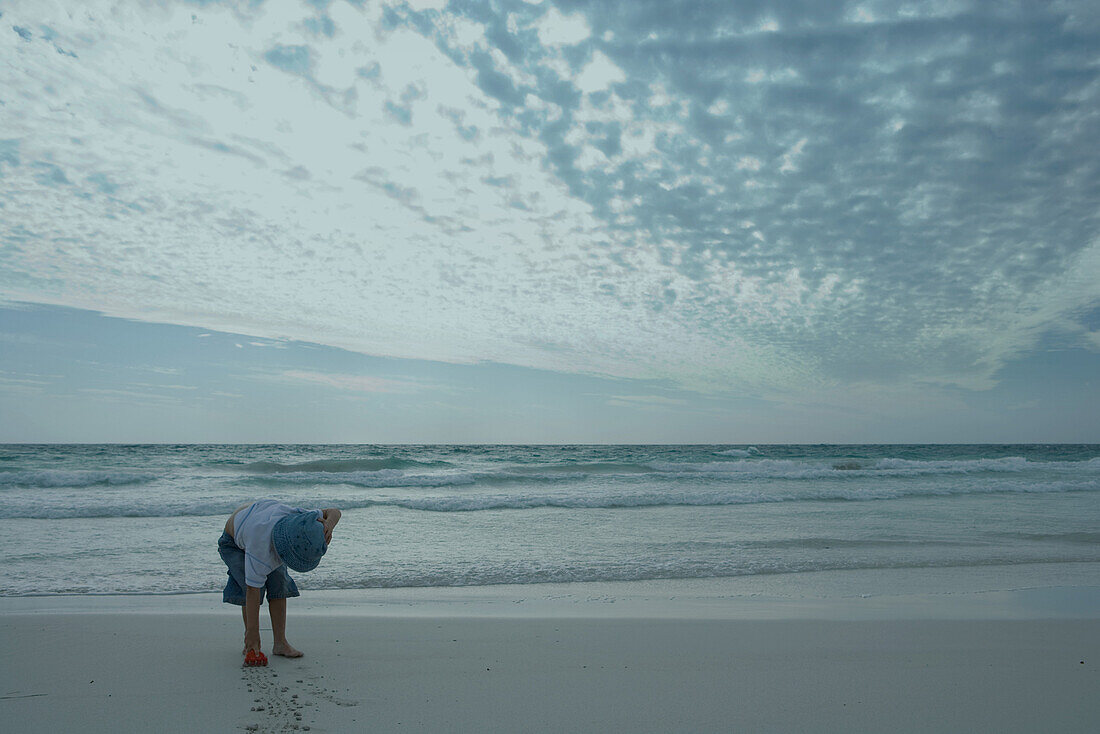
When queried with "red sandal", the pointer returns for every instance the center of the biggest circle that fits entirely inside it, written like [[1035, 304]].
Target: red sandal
[[255, 659]]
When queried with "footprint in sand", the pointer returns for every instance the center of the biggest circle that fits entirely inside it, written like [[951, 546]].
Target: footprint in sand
[[285, 704]]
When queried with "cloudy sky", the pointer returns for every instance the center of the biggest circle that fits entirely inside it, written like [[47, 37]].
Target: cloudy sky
[[556, 221]]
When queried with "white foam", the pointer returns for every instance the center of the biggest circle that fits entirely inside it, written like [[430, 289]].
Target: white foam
[[803, 469], [750, 451], [71, 478], [1008, 463], [524, 499]]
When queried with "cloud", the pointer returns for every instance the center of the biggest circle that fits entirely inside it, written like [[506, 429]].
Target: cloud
[[775, 201], [647, 402], [291, 59], [13, 382], [130, 396], [556, 28], [427, 4], [599, 74], [352, 383]]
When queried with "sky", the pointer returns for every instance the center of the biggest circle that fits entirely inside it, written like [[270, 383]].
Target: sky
[[460, 221]]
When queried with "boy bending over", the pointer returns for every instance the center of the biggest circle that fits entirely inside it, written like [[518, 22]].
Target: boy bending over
[[260, 541]]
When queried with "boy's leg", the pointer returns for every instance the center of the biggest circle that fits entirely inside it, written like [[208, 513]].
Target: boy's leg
[[277, 609]]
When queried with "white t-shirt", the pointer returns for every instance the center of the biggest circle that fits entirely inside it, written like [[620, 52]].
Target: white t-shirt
[[252, 528]]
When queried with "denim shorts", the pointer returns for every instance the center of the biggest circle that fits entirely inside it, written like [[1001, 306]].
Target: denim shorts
[[279, 585]]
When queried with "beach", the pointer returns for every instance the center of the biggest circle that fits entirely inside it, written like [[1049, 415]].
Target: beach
[[620, 657], [562, 589]]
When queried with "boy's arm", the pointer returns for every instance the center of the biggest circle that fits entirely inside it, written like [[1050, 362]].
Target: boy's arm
[[329, 518], [252, 618]]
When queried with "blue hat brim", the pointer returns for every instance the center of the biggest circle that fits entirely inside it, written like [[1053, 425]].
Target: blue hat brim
[[299, 539]]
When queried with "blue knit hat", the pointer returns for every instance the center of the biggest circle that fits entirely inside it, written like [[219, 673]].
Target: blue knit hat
[[300, 540]]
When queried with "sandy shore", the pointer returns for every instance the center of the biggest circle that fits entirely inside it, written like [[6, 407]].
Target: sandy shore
[[558, 659]]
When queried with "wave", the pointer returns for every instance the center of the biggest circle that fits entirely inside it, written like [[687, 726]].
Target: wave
[[713, 471], [393, 472], [335, 466], [716, 497], [384, 478], [531, 574], [1007, 463], [601, 467], [750, 451], [1088, 538], [795, 469], [71, 478], [610, 500], [534, 573]]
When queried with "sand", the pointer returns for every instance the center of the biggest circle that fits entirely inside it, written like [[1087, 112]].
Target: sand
[[580, 658]]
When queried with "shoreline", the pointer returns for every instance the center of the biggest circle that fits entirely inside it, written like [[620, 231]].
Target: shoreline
[[1021, 591]]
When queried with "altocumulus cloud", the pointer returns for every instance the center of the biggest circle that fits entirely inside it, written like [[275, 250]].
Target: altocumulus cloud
[[758, 198]]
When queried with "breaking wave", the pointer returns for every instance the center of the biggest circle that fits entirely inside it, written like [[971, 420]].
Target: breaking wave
[[750, 451], [336, 466], [71, 478], [586, 498], [393, 472], [715, 471]]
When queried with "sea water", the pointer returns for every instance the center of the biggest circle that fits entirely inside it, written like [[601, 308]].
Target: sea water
[[112, 519]]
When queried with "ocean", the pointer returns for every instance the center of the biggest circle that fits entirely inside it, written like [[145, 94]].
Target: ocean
[[114, 519]]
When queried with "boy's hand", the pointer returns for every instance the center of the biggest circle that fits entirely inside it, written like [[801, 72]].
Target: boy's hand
[[329, 518]]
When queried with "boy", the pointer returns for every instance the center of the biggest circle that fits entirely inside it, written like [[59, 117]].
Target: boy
[[260, 540]]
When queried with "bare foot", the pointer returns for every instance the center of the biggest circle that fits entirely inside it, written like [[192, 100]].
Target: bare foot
[[285, 649]]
